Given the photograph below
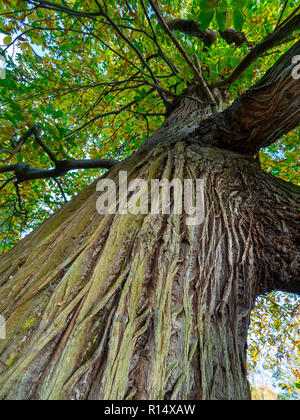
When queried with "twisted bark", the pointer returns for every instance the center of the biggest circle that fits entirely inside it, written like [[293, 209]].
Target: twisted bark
[[143, 306]]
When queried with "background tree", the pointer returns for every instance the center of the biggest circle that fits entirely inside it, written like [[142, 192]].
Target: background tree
[[92, 81], [273, 346]]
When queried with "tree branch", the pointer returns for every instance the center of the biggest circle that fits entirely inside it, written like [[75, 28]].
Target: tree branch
[[19, 196], [58, 8], [154, 37], [26, 172], [7, 182], [189, 61], [282, 13], [270, 42], [279, 227], [61, 189], [116, 112], [102, 13], [36, 132], [18, 146], [231, 36], [267, 111], [192, 28], [138, 53]]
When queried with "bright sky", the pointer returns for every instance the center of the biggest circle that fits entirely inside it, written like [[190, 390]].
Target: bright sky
[[12, 50]]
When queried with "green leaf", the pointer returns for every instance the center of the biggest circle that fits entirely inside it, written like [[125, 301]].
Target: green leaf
[[189, 43], [222, 6], [240, 4], [7, 40], [238, 19], [4, 31], [206, 6], [221, 20], [205, 19]]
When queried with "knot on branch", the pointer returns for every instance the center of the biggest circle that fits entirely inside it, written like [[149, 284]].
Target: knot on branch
[[210, 37], [231, 36], [192, 28], [21, 169]]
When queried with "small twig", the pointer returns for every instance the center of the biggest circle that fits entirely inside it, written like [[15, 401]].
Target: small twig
[[161, 54], [281, 14], [197, 62], [138, 53], [19, 196], [285, 311], [7, 182], [6, 152], [18, 146], [188, 60], [61, 189], [33, 131], [36, 131], [289, 17], [120, 110]]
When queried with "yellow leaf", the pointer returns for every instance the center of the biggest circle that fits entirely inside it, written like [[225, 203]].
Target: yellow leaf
[[7, 40]]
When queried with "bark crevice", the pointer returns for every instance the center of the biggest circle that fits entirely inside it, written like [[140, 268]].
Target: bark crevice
[[147, 307]]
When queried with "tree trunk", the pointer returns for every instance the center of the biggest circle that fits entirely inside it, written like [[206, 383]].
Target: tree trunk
[[146, 306]]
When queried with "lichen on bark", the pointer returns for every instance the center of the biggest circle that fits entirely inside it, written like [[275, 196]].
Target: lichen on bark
[[144, 306]]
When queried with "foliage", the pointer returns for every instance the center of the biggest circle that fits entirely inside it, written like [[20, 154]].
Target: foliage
[[97, 86], [263, 393], [274, 342]]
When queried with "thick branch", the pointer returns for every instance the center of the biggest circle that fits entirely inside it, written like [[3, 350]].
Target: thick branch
[[279, 233], [192, 28], [262, 115], [209, 36], [231, 36], [26, 172], [270, 42]]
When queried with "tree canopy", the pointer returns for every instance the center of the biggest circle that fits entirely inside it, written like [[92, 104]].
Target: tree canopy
[[88, 81]]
